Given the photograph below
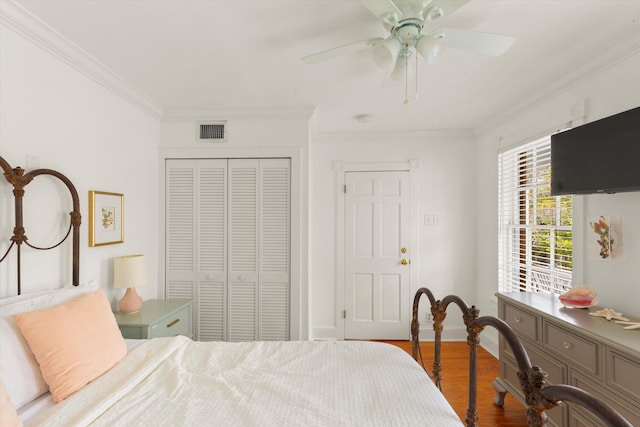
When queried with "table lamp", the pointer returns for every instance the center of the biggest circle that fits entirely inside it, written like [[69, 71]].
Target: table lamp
[[128, 272]]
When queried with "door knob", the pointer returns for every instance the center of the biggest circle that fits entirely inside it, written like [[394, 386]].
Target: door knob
[[403, 250], [404, 261]]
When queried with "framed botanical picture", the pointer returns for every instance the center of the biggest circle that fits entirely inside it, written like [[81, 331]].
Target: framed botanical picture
[[106, 218]]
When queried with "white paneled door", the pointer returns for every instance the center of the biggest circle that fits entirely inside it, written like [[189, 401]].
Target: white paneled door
[[227, 245], [377, 255]]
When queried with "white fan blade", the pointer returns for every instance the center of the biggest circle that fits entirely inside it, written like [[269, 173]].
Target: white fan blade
[[487, 43], [340, 50], [384, 10], [438, 9]]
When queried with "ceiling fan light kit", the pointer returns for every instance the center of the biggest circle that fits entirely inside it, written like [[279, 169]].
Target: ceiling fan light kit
[[401, 67], [406, 21], [431, 48], [386, 53]]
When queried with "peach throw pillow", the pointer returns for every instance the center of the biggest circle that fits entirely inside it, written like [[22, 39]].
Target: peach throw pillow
[[74, 343]]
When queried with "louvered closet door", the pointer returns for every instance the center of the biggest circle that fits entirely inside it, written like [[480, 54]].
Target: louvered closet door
[[180, 216], [243, 249], [227, 233], [258, 249], [211, 247], [273, 249], [196, 241]]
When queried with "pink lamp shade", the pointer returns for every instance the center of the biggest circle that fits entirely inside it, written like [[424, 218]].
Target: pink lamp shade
[[128, 272]]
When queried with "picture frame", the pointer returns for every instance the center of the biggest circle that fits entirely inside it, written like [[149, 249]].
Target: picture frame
[[106, 218]]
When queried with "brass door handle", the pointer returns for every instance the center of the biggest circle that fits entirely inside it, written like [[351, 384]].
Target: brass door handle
[[404, 261]]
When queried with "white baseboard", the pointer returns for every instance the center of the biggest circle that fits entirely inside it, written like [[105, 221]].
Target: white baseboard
[[458, 333], [325, 333], [489, 343]]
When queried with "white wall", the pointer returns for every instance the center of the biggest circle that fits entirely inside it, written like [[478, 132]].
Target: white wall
[[445, 255], [608, 86], [70, 123]]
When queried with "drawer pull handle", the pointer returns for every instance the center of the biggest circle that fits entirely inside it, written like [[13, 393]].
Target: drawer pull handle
[[566, 345], [173, 323], [517, 319]]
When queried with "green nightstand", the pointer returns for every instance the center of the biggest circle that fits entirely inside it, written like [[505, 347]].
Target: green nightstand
[[157, 318]]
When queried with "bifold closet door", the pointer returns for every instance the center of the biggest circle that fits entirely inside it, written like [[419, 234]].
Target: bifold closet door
[[258, 248], [228, 229], [196, 241]]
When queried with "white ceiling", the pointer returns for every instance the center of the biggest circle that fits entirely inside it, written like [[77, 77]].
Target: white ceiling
[[246, 54]]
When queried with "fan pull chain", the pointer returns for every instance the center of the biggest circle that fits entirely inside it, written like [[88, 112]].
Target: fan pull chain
[[406, 79], [415, 94]]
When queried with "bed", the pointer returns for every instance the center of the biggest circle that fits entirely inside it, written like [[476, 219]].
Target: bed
[[176, 381], [63, 362]]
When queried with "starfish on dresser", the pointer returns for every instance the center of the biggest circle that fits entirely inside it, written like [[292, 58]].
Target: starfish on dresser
[[629, 325], [608, 314]]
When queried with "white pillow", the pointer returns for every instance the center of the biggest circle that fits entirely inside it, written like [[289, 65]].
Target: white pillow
[[19, 370], [30, 295]]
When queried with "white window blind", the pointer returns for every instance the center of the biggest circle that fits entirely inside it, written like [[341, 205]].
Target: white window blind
[[534, 230]]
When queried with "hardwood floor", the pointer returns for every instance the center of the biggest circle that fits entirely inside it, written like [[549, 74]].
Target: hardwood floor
[[454, 359]]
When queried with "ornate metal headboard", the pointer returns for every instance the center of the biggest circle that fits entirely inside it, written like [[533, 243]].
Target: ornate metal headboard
[[19, 179]]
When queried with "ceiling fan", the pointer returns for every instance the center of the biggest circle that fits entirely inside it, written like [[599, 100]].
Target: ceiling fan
[[412, 28]]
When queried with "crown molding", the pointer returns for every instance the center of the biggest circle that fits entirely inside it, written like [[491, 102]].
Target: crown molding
[[304, 112], [592, 67], [22, 22]]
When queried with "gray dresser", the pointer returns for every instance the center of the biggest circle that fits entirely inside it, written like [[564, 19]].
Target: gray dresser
[[573, 348]]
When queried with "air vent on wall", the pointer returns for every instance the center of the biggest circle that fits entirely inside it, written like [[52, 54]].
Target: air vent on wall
[[212, 131]]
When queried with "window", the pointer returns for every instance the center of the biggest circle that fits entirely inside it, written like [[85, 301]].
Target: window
[[534, 231]]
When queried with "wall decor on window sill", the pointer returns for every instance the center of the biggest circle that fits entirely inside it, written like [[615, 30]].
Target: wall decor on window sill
[[106, 218]]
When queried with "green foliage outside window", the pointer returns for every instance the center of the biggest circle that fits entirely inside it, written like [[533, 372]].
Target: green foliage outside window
[[544, 210]]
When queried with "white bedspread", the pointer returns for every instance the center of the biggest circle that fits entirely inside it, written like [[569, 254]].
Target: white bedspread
[[179, 382]]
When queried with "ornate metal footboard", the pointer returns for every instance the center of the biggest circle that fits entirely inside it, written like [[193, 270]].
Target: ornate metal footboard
[[538, 396]]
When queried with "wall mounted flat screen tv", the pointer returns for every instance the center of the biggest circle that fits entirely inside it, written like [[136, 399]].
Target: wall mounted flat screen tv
[[599, 157]]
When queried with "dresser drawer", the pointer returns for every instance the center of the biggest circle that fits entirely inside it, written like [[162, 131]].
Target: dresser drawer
[[623, 374], [583, 419], [157, 318], [172, 325], [626, 409], [573, 348], [523, 323], [556, 370]]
